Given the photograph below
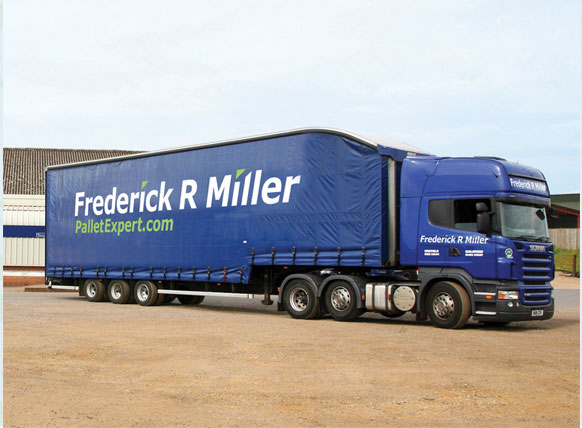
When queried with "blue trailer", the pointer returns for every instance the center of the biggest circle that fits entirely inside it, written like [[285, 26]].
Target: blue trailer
[[321, 220]]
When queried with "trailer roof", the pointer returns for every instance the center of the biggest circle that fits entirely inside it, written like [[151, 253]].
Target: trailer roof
[[383, 145]]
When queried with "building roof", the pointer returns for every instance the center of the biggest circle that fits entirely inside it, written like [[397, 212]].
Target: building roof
[[567, 200], [24, 168]]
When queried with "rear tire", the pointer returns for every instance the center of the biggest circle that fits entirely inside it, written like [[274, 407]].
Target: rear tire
[[146, 293], [448, 305], [341, 301], [119, 291], [190, 300], [393, 314], [94, 290], [300, 300]]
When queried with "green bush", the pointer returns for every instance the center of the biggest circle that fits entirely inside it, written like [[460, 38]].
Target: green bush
[[563, 259]]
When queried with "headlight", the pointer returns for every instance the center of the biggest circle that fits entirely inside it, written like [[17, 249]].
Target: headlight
[[508, 295]]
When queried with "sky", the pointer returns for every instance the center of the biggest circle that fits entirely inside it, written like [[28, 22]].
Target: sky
[[455, 78]]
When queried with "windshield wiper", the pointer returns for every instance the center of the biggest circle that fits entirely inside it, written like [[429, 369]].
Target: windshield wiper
[[530, 238]]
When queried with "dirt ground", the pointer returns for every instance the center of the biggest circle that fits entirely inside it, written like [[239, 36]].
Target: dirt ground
[[230, 363]]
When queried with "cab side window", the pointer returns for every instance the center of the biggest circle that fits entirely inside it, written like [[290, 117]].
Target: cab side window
[[458, 214], [440, 213], [465, 213]]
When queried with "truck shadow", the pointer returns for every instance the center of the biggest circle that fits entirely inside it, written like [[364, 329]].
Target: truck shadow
[[368, 318]]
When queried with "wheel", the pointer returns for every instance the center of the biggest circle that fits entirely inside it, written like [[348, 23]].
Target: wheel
[[190, 300], [300, 300], [94, 290], [146, 293], [169, 298], [119, 291], [448, 305], [341, 301]]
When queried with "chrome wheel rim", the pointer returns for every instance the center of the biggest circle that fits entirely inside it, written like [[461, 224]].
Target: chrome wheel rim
[[443, 306], [341, 299], [299, 300], [116, 291], [143, 292], [91, 290]]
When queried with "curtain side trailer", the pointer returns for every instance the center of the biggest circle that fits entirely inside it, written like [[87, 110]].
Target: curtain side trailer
[[320, 220]]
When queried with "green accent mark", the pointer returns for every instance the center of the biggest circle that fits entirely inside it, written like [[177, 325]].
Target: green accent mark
[[239, 172], [144, 184]]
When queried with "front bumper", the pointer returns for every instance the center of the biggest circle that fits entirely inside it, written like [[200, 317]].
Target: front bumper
[[503, 313]]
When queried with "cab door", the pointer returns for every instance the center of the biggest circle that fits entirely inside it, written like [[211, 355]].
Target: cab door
[[450, 237], [473, 251]]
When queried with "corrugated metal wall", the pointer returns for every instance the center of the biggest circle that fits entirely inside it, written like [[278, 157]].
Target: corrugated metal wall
[[23, 210]]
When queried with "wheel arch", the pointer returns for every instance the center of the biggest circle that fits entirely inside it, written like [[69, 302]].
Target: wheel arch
[[456, 277], [354, 282], [313, 280]]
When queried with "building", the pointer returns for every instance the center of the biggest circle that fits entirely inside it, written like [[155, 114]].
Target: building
[[23, 207], [565, 228]]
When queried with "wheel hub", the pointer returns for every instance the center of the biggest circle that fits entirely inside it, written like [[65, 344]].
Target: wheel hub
[[340, 299], [92, 290], [116, 291], [443, 306], [143, 293], [299, 300]]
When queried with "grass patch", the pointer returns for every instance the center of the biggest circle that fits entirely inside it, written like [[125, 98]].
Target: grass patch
[[563, 259]]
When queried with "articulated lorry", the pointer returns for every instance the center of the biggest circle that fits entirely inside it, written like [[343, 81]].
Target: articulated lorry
[[318, 220]]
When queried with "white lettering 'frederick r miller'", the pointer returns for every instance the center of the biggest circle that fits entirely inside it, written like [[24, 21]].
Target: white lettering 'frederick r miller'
[[223, 193]]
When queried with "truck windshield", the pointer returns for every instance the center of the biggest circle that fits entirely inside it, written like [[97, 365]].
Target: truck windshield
[[523, 222]]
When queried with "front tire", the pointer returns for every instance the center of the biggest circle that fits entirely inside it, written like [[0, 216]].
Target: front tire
[[300, 300], [94, 290], [341, 301], [448, 305], [146, 293]]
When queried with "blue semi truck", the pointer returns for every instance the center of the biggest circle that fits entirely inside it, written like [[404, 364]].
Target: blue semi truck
[[318, 220]]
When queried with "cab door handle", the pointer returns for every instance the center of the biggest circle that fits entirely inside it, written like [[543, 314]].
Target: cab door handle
[[454, 252]]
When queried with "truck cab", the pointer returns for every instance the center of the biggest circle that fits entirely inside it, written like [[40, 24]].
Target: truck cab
[[481, 225]]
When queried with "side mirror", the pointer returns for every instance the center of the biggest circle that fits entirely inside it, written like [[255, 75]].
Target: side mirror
[[554, 213], [481, 207], [483, 222]]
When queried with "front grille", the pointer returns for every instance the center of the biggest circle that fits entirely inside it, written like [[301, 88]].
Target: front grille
[[537, 267], [535, 295], [537, 256], [534, 282], [534, 265]]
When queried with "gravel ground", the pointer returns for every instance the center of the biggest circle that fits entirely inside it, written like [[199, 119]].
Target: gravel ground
[[230, 363]]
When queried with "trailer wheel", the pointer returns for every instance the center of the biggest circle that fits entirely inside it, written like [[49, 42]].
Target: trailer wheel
[[341, 301], [94, 290], [146, 293], [190, 300], [300, 300], [119, 291], [448, 305]]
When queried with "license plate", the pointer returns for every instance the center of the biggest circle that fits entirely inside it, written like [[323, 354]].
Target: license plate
[[537, 312]]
